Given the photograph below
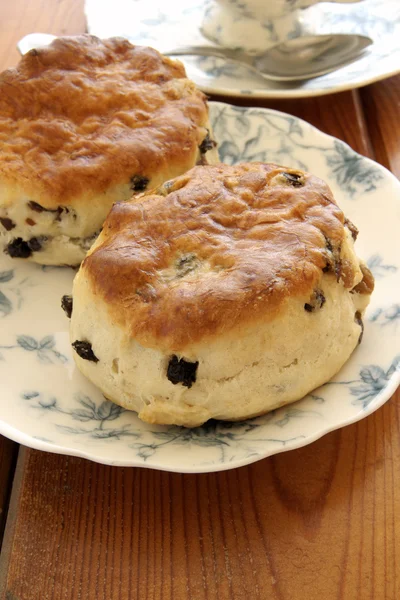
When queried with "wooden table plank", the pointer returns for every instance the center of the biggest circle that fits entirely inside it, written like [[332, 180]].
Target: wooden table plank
[[8, 458], [20, 17], [319, 522], [381, 103]]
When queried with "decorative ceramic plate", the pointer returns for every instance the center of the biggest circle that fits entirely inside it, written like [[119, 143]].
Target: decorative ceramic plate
[[166, 24], [47, 404]]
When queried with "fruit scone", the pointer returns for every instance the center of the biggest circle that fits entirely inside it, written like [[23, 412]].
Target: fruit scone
[[225, 293], [85, 123]]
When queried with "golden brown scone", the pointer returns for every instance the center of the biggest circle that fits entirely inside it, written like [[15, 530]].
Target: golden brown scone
[[223, 294], [85, 123]]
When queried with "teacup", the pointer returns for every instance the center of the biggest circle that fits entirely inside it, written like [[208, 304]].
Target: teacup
[[255, 24]]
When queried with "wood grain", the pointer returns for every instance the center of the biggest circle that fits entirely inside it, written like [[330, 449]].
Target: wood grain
[[381, 103], [8, 457], [319, 523], [20, 17]]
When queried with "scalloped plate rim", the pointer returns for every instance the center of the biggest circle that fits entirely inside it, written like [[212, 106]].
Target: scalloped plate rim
[[22, 438], [314, 128]]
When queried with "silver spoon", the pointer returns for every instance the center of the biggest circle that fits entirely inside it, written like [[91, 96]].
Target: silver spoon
[[294, 60]]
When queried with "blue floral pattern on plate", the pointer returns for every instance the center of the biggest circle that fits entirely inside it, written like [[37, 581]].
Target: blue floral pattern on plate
[[44, 349], [289, 143], [48, 405], [11, 291], [158, 24]]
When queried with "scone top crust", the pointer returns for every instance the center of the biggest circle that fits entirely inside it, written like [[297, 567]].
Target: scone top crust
[[216, 249], [84, 114]]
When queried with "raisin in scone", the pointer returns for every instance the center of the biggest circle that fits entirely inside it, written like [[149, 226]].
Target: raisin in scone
[[225, 293], [85, 123]]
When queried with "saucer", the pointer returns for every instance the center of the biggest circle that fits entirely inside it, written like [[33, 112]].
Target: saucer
[[165, 25]]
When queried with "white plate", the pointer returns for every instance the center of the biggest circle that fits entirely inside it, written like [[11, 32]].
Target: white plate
[[166, 24], [47, 404]]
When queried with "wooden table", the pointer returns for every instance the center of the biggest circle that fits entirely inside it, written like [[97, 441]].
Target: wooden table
[[319, 523]]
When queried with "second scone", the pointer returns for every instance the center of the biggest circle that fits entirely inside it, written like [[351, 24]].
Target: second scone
[[84, 123], [225, 293]]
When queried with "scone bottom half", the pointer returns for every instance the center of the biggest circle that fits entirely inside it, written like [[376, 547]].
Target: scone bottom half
[[85, 123], [223, 294]]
